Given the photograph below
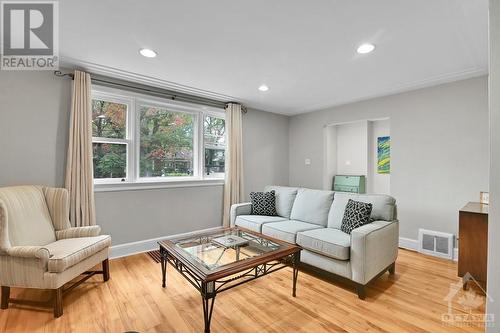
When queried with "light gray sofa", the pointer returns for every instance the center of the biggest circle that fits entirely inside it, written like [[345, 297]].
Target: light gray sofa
[[312, 219]]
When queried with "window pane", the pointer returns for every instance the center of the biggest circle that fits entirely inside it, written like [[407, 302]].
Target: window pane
[[215, 146], [166, 143], [108, 119], [110, 160]]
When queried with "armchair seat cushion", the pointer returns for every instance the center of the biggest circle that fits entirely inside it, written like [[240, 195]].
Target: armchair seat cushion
[[330, 242], [255, 222], [287, 230], [65, 253]]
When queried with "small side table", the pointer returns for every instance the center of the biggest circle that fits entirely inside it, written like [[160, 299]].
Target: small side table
[[473, 242]]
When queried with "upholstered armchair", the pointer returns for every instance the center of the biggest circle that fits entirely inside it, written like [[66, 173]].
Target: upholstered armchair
[[40, 249]]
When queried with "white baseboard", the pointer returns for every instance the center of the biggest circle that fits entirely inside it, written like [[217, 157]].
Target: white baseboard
[[412, 244], [128, 249]]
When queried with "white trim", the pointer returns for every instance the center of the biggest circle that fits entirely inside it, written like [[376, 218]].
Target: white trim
[[412, 245], [136, 186], [128, 249]]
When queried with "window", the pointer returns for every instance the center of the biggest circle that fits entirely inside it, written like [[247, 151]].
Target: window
[[166, 142], [214, 134], [142, 139], [110, 138]]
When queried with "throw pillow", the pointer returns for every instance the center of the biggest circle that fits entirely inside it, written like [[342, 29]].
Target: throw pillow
[[263, 203], [356, 214]]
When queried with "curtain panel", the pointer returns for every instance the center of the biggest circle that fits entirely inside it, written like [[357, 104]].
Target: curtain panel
[[233, 186], [79, 167]]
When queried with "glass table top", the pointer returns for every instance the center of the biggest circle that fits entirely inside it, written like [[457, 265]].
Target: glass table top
[[224, 247]]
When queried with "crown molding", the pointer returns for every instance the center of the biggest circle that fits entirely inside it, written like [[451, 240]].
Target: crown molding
[[402, 88], [73, 63]]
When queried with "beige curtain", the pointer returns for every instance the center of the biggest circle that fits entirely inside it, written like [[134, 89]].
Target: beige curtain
[[79, 168], [233, 186]]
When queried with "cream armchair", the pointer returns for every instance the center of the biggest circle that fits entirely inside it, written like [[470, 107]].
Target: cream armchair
[[40, 249]]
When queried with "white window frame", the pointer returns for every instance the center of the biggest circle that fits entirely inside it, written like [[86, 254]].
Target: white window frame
[[133, 181]]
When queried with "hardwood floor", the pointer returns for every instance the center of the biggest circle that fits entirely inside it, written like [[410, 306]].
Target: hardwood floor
[[132, 300]]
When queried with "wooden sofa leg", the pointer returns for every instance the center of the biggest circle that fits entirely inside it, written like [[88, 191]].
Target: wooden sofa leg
[[361, 291], [58, 305], [5, 297], [105, 270], [392, 268]]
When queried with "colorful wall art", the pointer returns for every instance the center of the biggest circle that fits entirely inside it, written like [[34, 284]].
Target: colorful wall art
[[384, 154]]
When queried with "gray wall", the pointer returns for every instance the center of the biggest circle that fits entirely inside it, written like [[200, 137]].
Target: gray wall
[[33, 128], [265, 150], [493, 305], [439, 139], [34, 118]]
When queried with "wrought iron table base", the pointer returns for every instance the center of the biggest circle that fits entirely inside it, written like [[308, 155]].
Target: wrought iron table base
[[209, 289]]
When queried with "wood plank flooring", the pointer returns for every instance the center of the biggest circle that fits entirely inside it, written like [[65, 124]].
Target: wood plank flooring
[[132, 300]]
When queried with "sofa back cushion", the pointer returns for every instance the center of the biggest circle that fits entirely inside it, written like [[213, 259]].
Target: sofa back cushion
[[285, 196], [312, 206], [28, 218], [383, 207]]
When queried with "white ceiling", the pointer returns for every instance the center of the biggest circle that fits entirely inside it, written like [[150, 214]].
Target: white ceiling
[[305, 51]]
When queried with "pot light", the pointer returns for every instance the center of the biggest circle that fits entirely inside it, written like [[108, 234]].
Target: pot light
[[263, 88], [365, 48], [148, 53]]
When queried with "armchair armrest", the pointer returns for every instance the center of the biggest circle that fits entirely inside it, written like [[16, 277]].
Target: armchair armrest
[[374, 247], [240, 209], [90, 231], [29, 252]]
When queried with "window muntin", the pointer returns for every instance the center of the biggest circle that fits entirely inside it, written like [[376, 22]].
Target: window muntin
[[148, 139]]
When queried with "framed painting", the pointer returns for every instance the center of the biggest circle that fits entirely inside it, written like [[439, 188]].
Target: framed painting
[[384, 154]]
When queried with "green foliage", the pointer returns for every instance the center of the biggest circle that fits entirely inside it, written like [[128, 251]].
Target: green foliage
[[166, 146]]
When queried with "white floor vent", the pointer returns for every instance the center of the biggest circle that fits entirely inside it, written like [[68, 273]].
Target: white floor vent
[[436, 243]]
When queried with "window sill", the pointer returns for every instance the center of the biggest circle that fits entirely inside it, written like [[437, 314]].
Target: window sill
[[149, 185]]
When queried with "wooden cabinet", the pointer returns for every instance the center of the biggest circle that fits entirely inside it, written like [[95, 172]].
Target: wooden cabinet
[[473, 241]]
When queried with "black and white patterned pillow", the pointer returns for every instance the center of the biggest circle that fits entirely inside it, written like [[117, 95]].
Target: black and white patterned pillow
[[263, 203], [356, 214]]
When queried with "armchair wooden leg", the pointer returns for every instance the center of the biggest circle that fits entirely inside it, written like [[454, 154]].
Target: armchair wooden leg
[[105, 270], [392, 268], [58, 302], [5, 297]]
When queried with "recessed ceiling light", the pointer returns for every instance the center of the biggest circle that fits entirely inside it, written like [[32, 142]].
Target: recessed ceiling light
[[365, 48], [148, 53], [263, 88]]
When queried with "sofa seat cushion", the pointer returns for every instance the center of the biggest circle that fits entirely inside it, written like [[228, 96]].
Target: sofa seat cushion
[[287, 230], [255, 222], [312, 206], [68, 252], [329, 242]]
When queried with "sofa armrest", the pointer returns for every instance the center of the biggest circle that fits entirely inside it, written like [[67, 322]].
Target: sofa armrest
[[374, 247], [90, 231], [57, 200], [240, 209]]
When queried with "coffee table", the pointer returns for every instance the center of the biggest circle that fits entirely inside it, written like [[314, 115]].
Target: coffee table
[[225, 258]]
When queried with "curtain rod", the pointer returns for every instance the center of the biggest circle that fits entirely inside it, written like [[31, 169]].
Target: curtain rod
[[172, 95]]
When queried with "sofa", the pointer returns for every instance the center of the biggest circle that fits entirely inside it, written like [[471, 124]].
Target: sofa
[[312, 219]]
